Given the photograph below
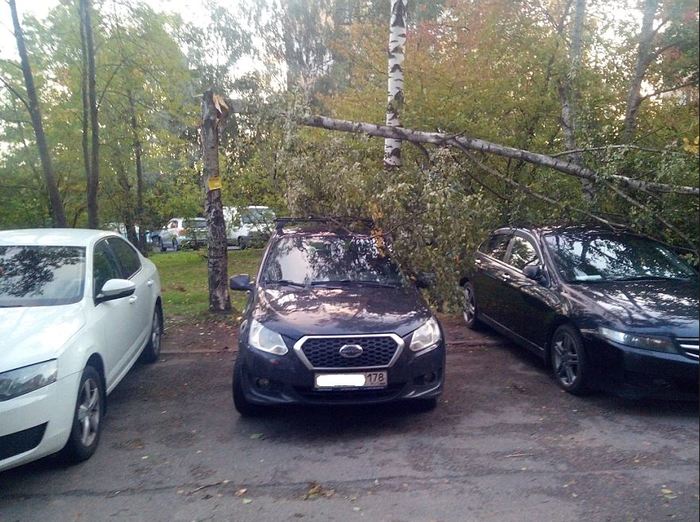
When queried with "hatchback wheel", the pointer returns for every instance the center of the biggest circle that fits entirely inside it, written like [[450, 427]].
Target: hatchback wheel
[[569, 363], [152, 350], [87, 420], [469, 311]]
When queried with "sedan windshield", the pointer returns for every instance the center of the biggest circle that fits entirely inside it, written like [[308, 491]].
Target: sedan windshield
[[323, 260], [41, 275], [594, 256]]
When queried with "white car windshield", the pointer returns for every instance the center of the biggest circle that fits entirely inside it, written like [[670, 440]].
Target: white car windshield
[[41, 275]]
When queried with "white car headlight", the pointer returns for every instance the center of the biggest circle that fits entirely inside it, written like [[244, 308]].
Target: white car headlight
[[264, 339], [426, 337], [659, 344], [27, 379]]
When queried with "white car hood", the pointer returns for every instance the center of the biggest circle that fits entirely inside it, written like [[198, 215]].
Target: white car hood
[[34, 334]]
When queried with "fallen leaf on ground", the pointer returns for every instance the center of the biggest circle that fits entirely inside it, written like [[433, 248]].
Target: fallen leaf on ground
[[241, 492]]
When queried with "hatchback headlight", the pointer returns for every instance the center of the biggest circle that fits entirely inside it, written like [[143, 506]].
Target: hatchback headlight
[[645, 342], [27, 379], [426, 337], [264, 339]]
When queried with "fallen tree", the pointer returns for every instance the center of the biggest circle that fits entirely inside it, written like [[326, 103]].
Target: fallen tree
[[463, 142]]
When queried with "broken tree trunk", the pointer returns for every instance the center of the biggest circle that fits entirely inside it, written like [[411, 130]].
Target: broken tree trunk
[[58, 215], [397, 43], [461, 141], [213, 109]]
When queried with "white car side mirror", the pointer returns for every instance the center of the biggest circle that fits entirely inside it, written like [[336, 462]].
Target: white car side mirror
[[115, 289]]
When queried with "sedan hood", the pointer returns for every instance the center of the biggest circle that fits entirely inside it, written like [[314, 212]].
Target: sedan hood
[[34, 334], [295, 312], [649, 305]]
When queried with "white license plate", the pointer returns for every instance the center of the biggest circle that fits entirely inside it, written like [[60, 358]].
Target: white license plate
[[351, 380]]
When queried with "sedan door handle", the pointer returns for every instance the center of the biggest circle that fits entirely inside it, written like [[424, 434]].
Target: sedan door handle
[[505, 277], [149, 282], [133, 299]]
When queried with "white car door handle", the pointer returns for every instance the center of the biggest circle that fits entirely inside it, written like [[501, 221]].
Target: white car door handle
[[149, 282], [133, 299]]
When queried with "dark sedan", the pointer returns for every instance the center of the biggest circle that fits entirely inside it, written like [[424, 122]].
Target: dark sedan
[[604, 309], [332, 320]]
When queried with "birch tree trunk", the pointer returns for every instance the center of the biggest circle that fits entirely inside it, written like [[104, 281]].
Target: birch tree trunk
[[568, 93], [89, 59], [397, 43], [219, 300], [644, 53], [57, 212]]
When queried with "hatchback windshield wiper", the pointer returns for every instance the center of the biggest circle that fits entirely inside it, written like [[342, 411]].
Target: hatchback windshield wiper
[[354, 282], [650, 278], [284, 282]]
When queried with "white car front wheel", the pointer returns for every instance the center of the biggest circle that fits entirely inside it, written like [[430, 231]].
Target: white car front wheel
[[87, 419]]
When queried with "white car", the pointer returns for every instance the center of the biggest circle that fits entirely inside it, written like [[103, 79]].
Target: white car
[[77, 309], [247, 225]]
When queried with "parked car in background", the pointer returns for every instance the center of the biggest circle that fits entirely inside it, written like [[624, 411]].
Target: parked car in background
[[182, 233], [601, 308], [168, 235], [331, 319], [246, 226], [195, 233], [77, 309]]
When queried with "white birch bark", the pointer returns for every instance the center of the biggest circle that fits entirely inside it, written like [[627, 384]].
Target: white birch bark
[[397, 43]]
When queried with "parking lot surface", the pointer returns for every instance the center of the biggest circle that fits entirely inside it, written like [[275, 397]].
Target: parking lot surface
[[504, 444]]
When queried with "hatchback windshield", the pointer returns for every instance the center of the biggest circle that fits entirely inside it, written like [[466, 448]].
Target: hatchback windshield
[[591, 257], [41, 275], [327, 260]]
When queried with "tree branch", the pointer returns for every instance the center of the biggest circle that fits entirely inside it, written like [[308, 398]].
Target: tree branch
[[669, 89], [479, 145], [16, 93], [623, 146]]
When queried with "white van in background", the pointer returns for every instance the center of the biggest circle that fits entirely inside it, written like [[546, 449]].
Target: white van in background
[[248, 225]]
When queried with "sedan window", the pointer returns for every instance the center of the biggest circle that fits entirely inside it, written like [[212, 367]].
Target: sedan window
[[495, 246], [522, 253], [126, 255], [41, 275], [595, 256], [104, 267]]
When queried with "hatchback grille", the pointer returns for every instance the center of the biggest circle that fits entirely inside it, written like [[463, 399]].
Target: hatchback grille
[[689, 345], [324, 352]]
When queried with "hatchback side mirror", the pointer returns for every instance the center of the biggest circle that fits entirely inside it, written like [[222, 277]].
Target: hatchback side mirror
[[534, 272], [241, 283], [115, 289]]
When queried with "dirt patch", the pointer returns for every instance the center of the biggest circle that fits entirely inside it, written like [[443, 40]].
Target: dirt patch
[[200, 336]]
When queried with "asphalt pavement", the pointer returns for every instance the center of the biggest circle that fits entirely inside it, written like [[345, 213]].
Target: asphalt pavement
[[503, 444]]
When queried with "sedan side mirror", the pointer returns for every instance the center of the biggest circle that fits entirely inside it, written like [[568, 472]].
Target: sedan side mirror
[[425, 279], [241, 282], [534, 272], [115, 289]]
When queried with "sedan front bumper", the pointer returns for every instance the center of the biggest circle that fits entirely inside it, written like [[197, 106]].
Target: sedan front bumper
[[38, 423], [637, 372]]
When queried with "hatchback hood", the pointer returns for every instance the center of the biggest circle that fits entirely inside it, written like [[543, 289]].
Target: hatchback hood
[[295, 312], [671, 306], [34, 334]]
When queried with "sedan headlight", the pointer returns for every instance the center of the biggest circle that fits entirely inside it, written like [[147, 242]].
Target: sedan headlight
[[264, 339], [645, 342], [24, 380], [426, 337]]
